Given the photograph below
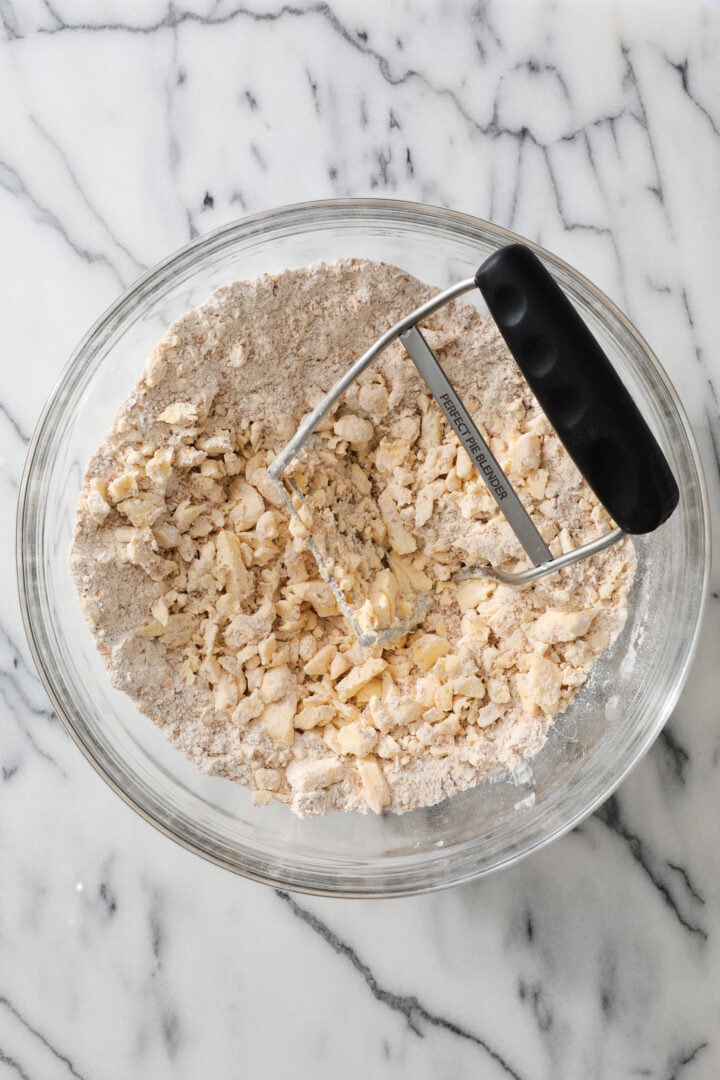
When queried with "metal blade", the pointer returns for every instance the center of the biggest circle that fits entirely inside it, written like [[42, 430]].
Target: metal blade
[[480, 454]]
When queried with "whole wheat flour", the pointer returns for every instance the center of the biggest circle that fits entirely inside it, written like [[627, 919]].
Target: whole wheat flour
[[209, 610]]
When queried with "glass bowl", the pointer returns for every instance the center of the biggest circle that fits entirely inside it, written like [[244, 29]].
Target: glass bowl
[[612, 721]]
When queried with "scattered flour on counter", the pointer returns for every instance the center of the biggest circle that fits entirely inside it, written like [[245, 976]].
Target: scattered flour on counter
[[209, 610]]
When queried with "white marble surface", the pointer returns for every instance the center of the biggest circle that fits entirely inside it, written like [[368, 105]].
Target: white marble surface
[[126, 128]]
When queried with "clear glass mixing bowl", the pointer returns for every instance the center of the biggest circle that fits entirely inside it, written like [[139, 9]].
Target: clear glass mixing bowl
[[612, 721]]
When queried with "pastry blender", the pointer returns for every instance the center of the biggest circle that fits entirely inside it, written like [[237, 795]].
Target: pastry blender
[[376, 587]]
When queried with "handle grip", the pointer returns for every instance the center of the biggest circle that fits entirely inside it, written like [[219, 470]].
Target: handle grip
[[580, 392]]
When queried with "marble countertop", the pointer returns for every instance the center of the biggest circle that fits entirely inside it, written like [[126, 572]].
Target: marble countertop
[[127, 128]]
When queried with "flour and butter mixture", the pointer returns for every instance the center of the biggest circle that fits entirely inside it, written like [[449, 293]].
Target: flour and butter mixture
[[209, 609]]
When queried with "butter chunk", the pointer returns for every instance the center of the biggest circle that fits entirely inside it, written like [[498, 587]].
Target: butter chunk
[[374, 398], [330, 734], [176, 632], [340, 664], [498, 690], [388, 748], [400, 539], [180, 413], [425, 690], [185, 513], [160, 611], [319, 595], [357, 739], [389, 455], [267, 779], [464, 467], [216, 444], [354, 429], [321, 661], [539, 687], [424, 505], [313, 716], [248, 506], [277, 721], [374, 787], [166, 535], [444, 697], [320, 773], [536, 483], [410, 575], [358, 677], [471, 687], [249, 708], [229, 556], [96, 503], [488, 715], [266, 525], [159, 467], [226, 694], [383, 597], [439, 462], [428, 648], [142, 510], [140, 551], [525, 453], [360, 479], [560, 626], [472, 592], [123, 487], [155, 368], [278, 684]]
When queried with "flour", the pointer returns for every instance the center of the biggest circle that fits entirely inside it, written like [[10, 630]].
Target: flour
[[210, 612]]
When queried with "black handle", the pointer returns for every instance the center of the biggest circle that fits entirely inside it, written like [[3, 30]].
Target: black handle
[[577, 387]]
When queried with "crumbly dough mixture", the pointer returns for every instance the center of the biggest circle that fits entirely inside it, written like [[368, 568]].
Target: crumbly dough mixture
[[210, 612]]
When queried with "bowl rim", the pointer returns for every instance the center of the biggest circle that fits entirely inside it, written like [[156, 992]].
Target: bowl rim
[[253, 223]]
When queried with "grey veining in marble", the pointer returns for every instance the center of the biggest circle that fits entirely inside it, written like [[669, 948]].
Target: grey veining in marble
[[128, 128]]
